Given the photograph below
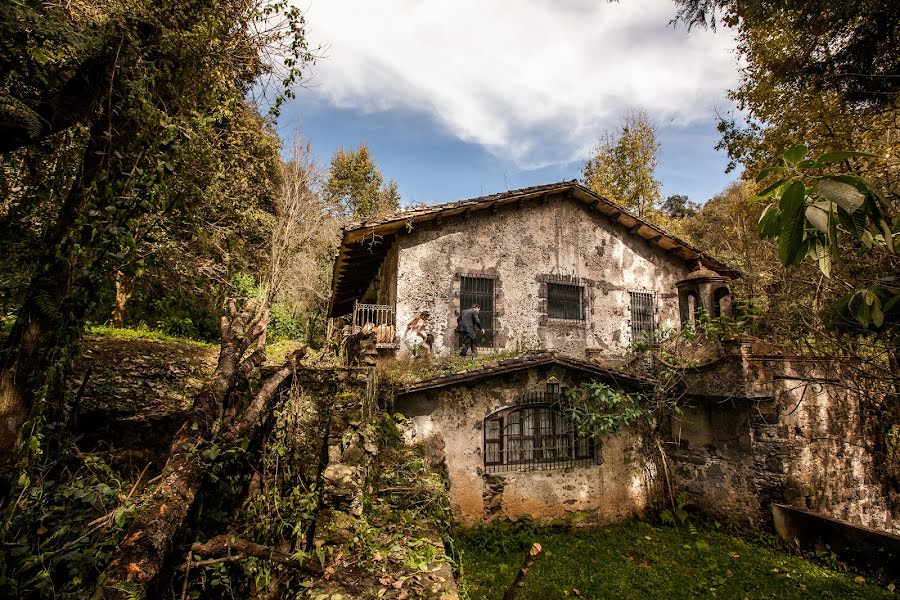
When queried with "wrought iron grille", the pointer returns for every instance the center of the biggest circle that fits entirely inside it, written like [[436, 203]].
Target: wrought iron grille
[[565, 301], [474, 289], [379, 317], [643, 315], [533, 436]]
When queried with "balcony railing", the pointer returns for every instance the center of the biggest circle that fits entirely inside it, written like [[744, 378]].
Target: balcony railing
[[377, 317]]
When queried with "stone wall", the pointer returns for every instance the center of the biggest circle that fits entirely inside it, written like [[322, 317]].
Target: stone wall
[[449, 421], [520, 247], [796, 436]]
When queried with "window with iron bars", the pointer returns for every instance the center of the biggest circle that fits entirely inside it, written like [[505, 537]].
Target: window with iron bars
[[565, 301], [643, 315], [474, 289], [534, 436]]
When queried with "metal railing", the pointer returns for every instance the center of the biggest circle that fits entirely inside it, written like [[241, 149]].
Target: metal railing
[[379, 318]]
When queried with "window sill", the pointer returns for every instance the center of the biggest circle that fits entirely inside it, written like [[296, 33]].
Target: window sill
[[548, 321]]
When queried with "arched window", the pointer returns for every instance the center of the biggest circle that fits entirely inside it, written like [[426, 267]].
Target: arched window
[[693, 309], [722, 302], [534, 436]]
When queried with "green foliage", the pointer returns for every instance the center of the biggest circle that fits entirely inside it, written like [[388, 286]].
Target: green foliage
[[356, 188], [388, 433], [283, 324], [677, 515], [61, 527], [810, 209], [599, 410], [679, 206], [623, 165], [829, 46], [152, 128], [504, 538]]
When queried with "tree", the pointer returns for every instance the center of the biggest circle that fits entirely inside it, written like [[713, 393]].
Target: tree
[[189, 261], [149, 139], [622, 167], [679, 206], [812, 211], [356, 188], [725, 226], [830, 46], [303, 242], [825, 73]]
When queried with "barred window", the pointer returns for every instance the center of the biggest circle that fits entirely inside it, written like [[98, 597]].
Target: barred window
[[565, 301], [643, 312], [474, 289], [534, 436]]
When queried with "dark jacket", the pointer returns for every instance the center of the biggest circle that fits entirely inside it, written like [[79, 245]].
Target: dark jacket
[[468, 322]]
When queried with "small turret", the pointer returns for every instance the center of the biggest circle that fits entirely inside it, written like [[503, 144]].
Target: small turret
[[704, 293]]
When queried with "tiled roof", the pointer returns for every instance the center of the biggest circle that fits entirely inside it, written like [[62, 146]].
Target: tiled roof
[[365, 244], [527, 362]]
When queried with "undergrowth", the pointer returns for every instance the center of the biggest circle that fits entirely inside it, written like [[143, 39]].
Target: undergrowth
[[61, 526]]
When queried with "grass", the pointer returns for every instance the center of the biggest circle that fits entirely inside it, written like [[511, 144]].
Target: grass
[[637, 560], [406, 371], [139, 334]]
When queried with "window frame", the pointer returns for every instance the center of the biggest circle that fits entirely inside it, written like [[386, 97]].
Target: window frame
[[582, 450], [636, 325], [487, 317], [563, 312]]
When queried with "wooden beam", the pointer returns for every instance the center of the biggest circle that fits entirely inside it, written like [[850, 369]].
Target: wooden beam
[[654, 239], [364, 260], [365, 253], [636, 228]]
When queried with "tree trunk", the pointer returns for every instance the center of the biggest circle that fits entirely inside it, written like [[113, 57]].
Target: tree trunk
[[29, 350], [123, 293], [140, 557], [15, 396]]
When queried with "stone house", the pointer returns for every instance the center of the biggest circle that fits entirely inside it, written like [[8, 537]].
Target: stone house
[[569, 277], [554, 267]]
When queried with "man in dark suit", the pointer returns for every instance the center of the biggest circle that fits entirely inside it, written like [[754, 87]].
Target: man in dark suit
[[467, 327]]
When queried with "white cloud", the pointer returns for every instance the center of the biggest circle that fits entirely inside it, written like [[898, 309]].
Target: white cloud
[[532, 81]]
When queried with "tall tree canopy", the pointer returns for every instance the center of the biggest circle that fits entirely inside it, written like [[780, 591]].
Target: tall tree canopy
[[679, 206], [850, 48], [356, 188], [825, 74], [115, 117], [622, 167]]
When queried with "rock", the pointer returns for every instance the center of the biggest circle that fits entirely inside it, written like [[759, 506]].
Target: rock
[[353, 454], [341, 480]]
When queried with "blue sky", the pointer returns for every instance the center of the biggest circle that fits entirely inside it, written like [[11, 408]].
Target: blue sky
[[470, 98]]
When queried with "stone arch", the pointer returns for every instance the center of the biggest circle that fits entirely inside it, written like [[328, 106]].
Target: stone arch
[[722, 302]]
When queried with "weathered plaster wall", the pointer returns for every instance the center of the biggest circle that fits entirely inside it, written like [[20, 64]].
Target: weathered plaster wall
[[518, 246], [805, 444], [449, 422]]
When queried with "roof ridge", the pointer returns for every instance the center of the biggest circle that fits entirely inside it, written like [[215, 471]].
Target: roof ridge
[[400, 214], [525, 361]]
